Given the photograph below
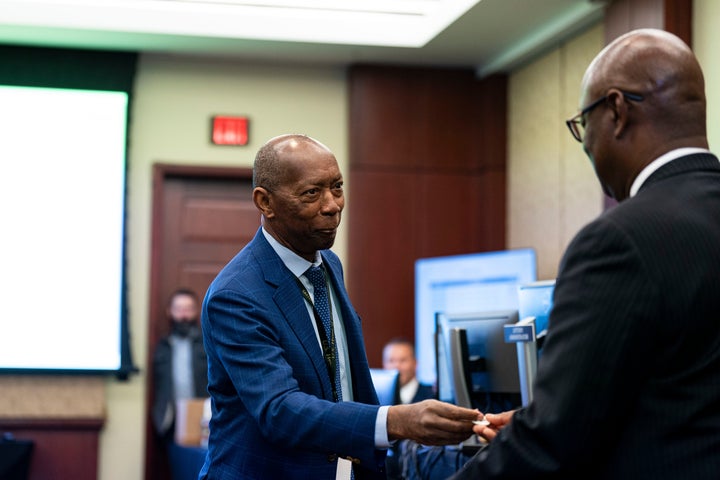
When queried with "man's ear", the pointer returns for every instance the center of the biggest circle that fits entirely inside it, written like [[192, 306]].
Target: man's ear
[[619, 107], [261, 199]]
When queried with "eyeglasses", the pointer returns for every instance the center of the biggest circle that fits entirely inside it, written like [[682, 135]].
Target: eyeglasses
[[576, 124]]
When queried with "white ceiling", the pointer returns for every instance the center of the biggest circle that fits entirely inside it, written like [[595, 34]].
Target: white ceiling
[[488, 35]]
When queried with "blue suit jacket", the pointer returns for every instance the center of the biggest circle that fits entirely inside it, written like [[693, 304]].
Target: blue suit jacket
[[272, 409]]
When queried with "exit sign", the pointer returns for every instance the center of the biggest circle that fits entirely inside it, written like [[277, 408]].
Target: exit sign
[[229, 130]]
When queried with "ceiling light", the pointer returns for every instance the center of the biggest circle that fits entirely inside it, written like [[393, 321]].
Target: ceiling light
[[397, 23]]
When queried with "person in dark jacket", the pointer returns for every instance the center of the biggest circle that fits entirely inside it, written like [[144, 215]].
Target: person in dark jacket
[[628, 385], [399, 354], [179, 361]]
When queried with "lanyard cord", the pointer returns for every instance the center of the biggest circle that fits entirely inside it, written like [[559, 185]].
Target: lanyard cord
[[329, 348]]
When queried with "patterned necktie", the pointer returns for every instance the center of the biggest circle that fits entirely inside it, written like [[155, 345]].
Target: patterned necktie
[[322, 308], [316, 275]]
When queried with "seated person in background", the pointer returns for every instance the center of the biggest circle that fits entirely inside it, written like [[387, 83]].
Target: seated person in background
[[399, 354], [179, 362], [401, 462]]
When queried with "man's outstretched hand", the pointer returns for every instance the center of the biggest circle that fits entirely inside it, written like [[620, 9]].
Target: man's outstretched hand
[[431, 422]]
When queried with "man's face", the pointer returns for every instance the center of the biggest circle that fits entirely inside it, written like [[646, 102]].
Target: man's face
[[594, 137], [400, 357], [183, 309], [305, 209]]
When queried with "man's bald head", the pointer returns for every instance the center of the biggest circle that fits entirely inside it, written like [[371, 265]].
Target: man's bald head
[[271, 164], [664, 111], [662, 68]]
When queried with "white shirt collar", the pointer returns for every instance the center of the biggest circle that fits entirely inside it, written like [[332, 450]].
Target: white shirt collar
[[298, 265], [408, 391], [659, 162], [292, 260]]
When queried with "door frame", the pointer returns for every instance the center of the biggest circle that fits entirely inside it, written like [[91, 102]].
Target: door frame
[[161, 172]]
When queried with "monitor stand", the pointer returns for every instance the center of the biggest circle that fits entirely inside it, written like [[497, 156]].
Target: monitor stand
[[473, 445]]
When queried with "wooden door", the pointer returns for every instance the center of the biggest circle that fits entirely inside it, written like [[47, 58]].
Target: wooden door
[[202, 216]]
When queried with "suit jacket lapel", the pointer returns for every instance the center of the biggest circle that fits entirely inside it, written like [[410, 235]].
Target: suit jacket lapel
[[289, 299], [694, 162], [362, 384]]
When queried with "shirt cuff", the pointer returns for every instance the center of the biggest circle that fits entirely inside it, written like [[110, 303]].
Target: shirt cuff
[[381, 435]]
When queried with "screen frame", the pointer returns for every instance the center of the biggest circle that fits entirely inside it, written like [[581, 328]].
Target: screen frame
[[74, 69], [457, 338], [437, 276]]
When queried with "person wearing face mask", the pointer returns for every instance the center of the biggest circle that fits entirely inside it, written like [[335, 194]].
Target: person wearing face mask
[[179, 362]]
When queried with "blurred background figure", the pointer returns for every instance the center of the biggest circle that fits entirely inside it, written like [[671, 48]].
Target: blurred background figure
[[399, 354], [179, 362]]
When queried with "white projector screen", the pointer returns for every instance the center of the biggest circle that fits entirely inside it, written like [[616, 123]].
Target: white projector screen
[[62, 211]]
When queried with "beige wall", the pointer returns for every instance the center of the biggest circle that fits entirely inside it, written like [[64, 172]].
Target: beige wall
[[174, 100], [552, 190]]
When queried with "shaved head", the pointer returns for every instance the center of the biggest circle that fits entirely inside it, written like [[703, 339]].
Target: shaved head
[[269, 167], [666, 109], [660, 66]]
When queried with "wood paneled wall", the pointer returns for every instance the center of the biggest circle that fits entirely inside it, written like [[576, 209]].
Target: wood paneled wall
[[675, 16], [428, 169], [427, 178]]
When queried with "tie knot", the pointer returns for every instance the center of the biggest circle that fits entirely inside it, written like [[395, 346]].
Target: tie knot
[[316, 276]]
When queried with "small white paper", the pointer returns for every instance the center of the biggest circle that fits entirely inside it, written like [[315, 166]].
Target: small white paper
[[344, 469]]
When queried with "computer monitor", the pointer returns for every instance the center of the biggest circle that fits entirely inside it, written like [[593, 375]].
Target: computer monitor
[[386, 384], [536, 300], [474, 282], [476, 368]]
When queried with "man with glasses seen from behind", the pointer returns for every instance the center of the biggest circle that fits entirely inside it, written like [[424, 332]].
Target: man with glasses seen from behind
[[628, 386]]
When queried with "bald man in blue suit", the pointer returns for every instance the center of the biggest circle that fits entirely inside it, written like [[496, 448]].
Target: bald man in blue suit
[[275, 411]]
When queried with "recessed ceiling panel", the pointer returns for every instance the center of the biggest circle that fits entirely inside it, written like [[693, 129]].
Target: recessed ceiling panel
[[395, 23]]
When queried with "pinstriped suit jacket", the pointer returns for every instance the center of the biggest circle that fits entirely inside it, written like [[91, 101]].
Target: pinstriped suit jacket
[[628, 386], [273, 415]]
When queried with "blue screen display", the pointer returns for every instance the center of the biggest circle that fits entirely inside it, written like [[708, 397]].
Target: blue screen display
[[463, 284]]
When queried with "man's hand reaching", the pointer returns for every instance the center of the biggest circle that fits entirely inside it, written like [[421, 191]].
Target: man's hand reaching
[[431, 422]]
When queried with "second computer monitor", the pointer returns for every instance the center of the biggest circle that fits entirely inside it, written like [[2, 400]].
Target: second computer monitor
[[475, 367]]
